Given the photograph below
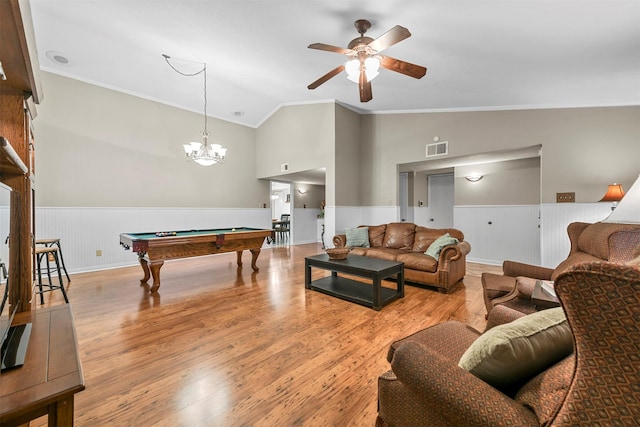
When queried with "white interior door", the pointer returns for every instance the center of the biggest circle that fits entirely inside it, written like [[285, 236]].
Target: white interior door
[[440, 200]]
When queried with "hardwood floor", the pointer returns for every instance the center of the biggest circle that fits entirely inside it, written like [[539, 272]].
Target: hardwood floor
[[222, 346]]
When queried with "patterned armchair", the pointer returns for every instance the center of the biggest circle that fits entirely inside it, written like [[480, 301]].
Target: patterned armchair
[[598, 384], [598, 242]]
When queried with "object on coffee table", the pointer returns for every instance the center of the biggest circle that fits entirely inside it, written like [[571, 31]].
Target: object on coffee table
[[338, 253]]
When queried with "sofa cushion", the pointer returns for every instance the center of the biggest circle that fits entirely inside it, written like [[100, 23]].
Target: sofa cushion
[[399, 235], [425, 236], [416, 261], [357, 237], [509, 354], [376, 235], [441, 242], [359, 251], [384, 253]]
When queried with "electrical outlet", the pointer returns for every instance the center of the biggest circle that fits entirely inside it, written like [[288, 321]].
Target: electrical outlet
[[99, 252], [565, 197]]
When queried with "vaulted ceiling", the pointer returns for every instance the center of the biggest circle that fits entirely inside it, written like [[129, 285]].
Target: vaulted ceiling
[[480, 55]]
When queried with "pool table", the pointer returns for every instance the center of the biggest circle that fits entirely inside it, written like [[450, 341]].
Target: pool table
[[155, 247]]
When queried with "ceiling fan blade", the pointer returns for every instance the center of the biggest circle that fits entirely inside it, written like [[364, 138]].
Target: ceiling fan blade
[[391, 37], [365, 87], [330, 48], [402, 67], [326, 77]]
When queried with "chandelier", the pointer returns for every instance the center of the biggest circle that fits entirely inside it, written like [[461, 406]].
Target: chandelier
[[203, 153]]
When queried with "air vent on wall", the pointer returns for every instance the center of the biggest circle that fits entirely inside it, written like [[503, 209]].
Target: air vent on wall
[[284, 167], [437, 149]]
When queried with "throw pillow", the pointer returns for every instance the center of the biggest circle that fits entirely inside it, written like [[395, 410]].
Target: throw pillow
[[358, 237], [436, 247], [509, 354]]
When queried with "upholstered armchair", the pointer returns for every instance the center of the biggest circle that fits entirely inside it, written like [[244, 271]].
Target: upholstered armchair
[[596, 242], [598, 383]]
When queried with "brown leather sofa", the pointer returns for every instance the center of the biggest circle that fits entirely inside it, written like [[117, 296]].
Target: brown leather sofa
[[406, 242], [589, 243], [597, 384]]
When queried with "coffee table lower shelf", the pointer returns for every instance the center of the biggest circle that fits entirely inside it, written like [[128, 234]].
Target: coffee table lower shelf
[[352, 290]]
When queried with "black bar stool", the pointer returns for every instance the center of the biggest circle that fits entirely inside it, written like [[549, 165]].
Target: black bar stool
[[5, 276], [45, 252], [55, 242]]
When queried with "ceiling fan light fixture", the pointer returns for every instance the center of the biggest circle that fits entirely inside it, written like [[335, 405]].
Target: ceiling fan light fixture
[[371, 67]]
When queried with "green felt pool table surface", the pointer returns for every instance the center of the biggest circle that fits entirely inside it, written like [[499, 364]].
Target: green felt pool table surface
[[184, 233]]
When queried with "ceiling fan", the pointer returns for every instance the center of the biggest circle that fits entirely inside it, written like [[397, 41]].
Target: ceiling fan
[[364, 59]]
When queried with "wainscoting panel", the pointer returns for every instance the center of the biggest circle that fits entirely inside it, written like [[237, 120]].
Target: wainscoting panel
[[497, 233], [83, 231], [305, 226], [555, 219], [421, 215]]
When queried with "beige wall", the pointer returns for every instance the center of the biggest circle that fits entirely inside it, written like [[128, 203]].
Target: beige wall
[[583, 149], [347, 159], [98, 147], [514, 182], [302, 136], [312, 197]]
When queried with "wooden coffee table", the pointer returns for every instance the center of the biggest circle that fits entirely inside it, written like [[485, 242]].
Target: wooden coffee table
[[372, 295]]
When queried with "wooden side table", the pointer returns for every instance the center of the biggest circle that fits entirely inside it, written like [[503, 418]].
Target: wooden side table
[[52, 372], [543, 299]]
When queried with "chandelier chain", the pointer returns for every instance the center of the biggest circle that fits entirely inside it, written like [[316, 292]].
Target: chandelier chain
[[204, 153], [204, 70]]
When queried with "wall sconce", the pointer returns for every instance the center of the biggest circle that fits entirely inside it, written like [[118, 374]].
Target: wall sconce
[[301, 190], [614, 194], [474, 178]]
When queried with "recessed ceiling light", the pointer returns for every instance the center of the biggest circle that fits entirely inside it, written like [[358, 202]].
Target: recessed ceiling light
[[57, 57]]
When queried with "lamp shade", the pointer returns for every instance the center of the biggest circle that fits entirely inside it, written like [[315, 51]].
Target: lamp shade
[[614, 193], [628, 210]]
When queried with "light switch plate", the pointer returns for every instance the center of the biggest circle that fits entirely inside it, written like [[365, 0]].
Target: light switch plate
[[565, 197]]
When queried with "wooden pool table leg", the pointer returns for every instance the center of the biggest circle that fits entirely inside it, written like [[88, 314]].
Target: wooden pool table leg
[[145, 268], [254, 258], [239, 258], [153, 271]]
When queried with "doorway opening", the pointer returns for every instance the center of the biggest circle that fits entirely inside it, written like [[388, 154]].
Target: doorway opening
[[281, 212]]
